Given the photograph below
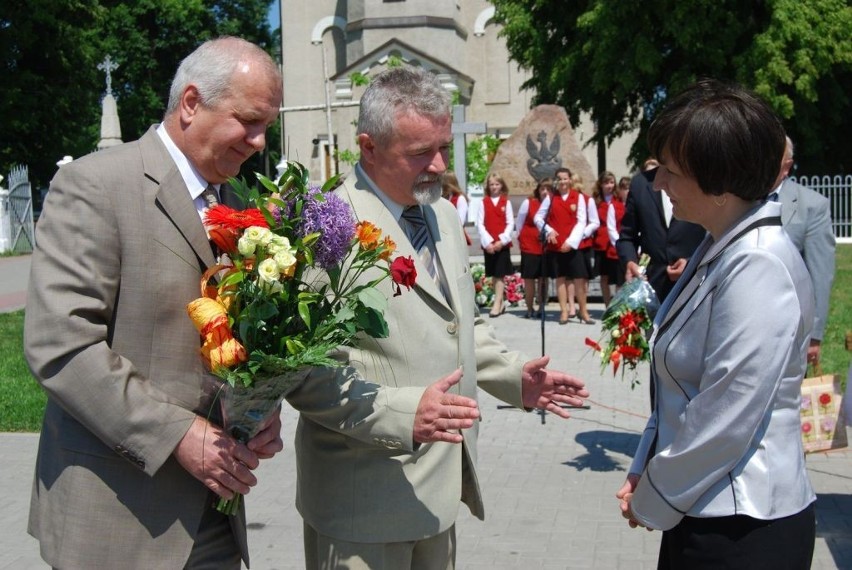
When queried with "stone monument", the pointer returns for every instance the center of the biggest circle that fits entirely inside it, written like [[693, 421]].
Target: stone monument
[[543, 142], [110, 127]]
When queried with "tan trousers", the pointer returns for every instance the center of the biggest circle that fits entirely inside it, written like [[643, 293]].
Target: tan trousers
[[326, 553]]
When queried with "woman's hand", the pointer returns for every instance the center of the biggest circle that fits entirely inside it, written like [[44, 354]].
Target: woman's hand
[[625, 495]]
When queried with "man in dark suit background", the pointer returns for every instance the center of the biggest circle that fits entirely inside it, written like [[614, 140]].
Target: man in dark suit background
[[646, 228]]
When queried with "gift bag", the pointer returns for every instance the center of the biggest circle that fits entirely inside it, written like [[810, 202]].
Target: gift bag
[[821, 414]]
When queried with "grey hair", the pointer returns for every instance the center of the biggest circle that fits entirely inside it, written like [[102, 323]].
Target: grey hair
[[400, 89], [211, 66]]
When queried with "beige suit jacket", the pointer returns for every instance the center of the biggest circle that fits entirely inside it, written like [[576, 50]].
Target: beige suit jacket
[[120, 252], [361, 478]]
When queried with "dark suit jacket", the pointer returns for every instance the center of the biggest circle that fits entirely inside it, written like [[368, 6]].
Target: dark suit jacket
[[643, 230], [120, 253]]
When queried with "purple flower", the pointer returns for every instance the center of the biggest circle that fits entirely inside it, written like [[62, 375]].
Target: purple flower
[[333, 218]]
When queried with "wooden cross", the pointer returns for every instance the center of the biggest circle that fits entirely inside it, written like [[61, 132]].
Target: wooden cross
[[108, 65], [460, 129]]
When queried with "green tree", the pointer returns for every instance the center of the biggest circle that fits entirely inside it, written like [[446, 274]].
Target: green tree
[[618, 60], [48, 86], [51, 89]]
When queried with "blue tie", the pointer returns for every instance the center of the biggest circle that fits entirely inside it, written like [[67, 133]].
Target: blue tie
[[418, 233]]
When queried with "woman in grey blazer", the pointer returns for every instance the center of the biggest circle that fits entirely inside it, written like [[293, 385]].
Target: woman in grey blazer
[[720, 466]]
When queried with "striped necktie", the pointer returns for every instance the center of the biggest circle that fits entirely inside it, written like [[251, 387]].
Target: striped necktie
[[211, 197], [418, 233]]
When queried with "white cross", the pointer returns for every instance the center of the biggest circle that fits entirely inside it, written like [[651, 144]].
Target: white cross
[[460, 129], [108, 65]]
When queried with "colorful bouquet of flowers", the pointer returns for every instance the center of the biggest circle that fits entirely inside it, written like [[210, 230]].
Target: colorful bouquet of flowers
[[287, 293], [514, 288], [482, 285], [484, 293], [625, 323]]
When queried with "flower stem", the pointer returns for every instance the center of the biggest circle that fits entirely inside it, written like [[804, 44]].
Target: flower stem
[[229, 506]]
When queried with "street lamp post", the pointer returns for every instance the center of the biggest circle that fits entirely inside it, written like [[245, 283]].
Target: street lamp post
[[332, 163]]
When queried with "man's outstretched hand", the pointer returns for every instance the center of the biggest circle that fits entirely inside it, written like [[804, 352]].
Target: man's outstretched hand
[[546, 389], [440, 415]]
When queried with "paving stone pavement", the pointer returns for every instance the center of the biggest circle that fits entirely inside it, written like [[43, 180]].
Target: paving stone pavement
[[549, 484]]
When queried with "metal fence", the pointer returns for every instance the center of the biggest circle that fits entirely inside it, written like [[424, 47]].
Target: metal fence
[[838, 190], [21, 211]]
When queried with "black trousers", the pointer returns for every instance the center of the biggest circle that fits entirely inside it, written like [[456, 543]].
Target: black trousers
[[740, 542]]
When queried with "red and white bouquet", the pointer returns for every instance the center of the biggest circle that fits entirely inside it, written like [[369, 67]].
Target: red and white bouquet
[[287, 294], [625, 324]]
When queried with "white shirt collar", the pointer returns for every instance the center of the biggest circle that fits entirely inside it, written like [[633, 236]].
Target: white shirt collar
[[194, 182], [393, 207]]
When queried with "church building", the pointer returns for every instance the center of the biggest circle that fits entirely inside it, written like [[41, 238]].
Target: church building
[[332, 47]]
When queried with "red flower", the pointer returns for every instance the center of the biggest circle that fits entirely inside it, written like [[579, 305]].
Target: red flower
[[224, 238], [630, 352], [403, 273], [593, 344], [225, 217], [629, 322], [824, 399], [807, 427]]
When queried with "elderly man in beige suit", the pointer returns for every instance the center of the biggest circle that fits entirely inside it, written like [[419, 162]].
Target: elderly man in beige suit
[[386, 447], [128, 464]]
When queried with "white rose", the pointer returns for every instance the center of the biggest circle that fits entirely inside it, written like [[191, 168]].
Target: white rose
[[278, 243], [616, 333], [259, 235], [285, 259], [246, 246], [268, 273]]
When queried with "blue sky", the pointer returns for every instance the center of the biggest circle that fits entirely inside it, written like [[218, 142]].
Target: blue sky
[[273, 16]]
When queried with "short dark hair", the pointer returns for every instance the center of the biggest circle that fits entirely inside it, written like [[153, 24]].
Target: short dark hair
[[723, 136]]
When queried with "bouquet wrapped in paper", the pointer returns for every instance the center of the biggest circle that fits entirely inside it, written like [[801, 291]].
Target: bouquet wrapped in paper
[[267, 320], [625, 323]]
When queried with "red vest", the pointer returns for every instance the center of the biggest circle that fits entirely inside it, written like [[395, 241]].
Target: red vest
[[562, 217], [588, 242], [495, 217], [528, 233], [618, 205], [601, 235]]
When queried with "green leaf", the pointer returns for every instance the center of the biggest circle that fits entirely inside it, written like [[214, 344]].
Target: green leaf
[[371, 297]]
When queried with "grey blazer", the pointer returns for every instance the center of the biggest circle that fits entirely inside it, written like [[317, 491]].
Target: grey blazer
[[806, 217], [728, 361], [361, 477], [120, 252]]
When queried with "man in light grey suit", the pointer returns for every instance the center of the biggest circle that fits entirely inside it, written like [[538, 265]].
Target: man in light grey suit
[[128, 464], [806, 217], [386, 447]]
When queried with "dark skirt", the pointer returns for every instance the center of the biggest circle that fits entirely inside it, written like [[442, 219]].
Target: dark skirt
[[531, 267], [739, 542], [498, 264], [568, 264], [588, 255], [610, 268]]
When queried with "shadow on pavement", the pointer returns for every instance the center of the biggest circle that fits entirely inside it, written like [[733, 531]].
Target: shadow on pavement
[[599, 444], [834, 524]]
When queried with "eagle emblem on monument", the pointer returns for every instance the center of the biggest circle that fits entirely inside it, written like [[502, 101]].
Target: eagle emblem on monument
[[544, 159]]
